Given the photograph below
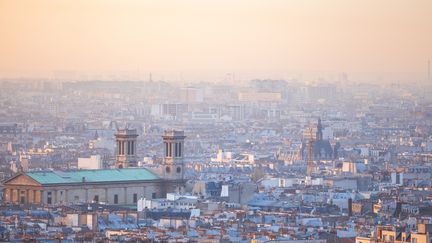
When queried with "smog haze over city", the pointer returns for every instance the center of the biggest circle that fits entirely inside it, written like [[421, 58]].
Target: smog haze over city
[[216, 121]]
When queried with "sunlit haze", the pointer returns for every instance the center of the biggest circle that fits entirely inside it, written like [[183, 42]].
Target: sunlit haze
[[196, 39]]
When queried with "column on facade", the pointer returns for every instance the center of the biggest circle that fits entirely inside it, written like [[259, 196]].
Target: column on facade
[[106, 195], [35, 199], [55, 197], [7, 195], [66, 198], [15, 195], [40, 193], [30, 196], [125, 195]]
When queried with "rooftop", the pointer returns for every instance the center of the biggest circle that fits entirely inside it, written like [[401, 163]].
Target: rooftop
[[92, 176]]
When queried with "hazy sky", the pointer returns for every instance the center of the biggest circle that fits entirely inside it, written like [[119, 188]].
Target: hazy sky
[[214, 36]]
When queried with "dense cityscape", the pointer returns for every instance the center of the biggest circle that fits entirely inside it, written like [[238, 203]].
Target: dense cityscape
[[228, 121], [253, 161]]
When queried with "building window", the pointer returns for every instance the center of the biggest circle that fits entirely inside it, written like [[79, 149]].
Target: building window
[[166, 149], [96, 198], [178, 170], [115, 199], [49, 197], [132, 147], [168, 169], [179, 149], [135, 198], [76, 198], [154, 195]]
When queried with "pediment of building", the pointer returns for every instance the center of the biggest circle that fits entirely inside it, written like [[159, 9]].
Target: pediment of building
[[21, 180]]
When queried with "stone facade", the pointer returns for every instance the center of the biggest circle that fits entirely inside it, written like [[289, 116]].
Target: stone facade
[[23, 189], [173, 167]]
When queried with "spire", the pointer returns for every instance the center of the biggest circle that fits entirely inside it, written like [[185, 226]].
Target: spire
[[319, 134]]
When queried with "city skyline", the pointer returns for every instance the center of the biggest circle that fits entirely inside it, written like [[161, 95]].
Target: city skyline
[[246, 121]]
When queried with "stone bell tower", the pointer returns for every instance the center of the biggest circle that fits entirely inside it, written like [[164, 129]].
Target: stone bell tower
[[173, 155], [126, 148]]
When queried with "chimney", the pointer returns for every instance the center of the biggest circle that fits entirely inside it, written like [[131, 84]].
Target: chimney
[[379, 232], [349, 207], [398, 209]]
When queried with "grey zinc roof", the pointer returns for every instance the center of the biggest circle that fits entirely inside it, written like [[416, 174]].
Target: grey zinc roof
[[105, 175]]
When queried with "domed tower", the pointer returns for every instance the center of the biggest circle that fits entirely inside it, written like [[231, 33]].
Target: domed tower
[[126, 148], [173, 155]]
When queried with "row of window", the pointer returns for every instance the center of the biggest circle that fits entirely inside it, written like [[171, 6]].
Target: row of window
[[130, 146], [96, 197], [173, 151], [177, 204], [134, 197], [168, 169]]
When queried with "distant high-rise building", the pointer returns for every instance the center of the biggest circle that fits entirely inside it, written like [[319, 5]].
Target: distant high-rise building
[[126, 148], [252, 96], [237, 112], [192, 95], [170, 111]]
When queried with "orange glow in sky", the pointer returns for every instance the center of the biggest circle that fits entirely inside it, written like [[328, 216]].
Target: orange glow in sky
[[97, 36]]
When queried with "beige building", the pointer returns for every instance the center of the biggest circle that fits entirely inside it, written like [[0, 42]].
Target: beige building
[[252, 96], [389, 234], [117, 186], [123, 185]]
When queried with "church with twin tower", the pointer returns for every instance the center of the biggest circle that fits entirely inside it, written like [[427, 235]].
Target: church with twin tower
[[123, 185], [172, 166]]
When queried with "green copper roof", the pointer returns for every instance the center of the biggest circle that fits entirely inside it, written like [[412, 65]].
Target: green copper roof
[[98, 176]]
